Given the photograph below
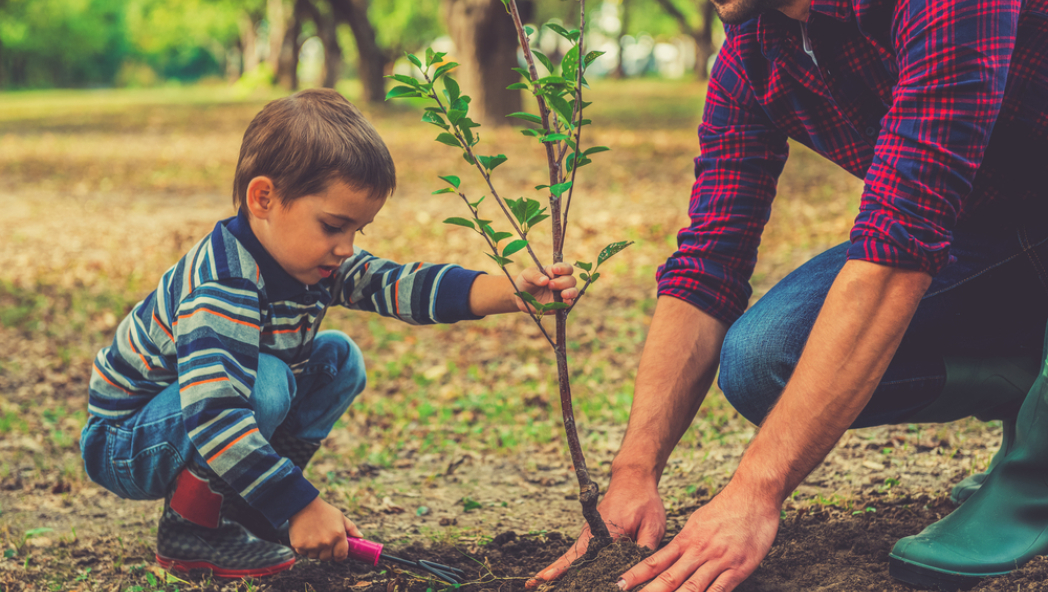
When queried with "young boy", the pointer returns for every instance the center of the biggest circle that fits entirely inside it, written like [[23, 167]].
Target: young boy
[[218, 389]]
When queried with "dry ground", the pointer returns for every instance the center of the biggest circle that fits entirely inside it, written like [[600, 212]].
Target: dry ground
[[458, 438]]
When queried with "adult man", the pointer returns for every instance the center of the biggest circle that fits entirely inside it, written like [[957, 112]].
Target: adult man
[[934, 311]]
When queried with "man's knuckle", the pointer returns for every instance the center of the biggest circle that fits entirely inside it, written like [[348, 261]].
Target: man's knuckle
[[668, 579], [691, 586]]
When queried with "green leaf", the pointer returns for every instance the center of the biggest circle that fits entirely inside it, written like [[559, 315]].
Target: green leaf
[[466, 157], [414, 60], [469, 504], [519, 207], [584, 276], [528, 29], [560, 188], [596, 149], [518, 86], [584, 265], [592, 56], [408, 80], [523, 72], [444, 190], [536, 219], [461, 222], [514, 246], [490, 162], [429, 56], [475, 204], [498, 237], [569, 66], [545, 60], [529, 117], [435, 119], [527, 297], [34, 532], [554, 137], [569, 35], [540, 187], [455, 115], [401, 91], [531, 132], [610, 250], [594, 277], [444, 69], [9, 553], [452, 180], [451, 88], [554, 79], [561, 107], [449, 139], [556, 306], [151, 579], [500, 261]]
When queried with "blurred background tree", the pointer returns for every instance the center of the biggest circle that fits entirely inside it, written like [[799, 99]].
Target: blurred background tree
[[295, 43]]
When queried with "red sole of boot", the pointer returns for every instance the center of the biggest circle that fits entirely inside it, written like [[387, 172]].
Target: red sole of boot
[[179, 565]]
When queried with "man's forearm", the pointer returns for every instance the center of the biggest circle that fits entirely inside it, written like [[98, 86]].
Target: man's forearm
[[676, 369], [864, 318]]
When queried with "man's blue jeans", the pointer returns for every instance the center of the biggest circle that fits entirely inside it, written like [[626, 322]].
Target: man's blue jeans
[[991, 301], [140, 457]]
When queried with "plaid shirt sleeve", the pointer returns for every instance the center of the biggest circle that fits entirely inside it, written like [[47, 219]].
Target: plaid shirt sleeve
[[953, 61], [742, 155]]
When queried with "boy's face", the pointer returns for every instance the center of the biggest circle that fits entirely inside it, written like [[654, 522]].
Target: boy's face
[[314, 235]]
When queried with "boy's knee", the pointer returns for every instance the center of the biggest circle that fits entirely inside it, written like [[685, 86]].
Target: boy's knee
[[274, 390], [755, 365], [351, 373]]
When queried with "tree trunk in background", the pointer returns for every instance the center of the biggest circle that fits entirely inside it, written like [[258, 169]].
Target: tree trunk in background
[[486, 50], [286, 73], [248, 42], [704, 42], [372, 61], [328, 34], [620, 72], [703, 36]]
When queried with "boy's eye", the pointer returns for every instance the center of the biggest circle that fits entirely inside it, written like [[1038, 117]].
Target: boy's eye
[[331, 229]]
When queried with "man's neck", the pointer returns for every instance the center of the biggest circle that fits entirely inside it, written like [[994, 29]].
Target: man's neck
[[797, 10]]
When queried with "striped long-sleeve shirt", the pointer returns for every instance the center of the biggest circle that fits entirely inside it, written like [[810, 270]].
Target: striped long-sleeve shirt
[[224, 303]]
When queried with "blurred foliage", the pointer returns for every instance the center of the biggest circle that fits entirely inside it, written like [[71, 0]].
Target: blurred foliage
[[90, 43]]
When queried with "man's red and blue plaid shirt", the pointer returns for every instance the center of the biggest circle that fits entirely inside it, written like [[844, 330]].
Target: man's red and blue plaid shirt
[[940, 106]]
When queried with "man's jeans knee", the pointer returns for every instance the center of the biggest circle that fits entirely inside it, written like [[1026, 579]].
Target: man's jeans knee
[[990, 301], [141, 456]]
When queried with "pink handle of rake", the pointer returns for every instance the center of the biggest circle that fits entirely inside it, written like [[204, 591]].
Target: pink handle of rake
[[364, 550]]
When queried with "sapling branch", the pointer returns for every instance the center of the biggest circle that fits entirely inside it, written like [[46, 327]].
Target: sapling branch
[[516, 290], [576, 118], [484, 173]]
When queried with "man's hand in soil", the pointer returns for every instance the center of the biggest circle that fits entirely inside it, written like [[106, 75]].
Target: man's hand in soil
[[319, 531], [719, 547], [631, 508]]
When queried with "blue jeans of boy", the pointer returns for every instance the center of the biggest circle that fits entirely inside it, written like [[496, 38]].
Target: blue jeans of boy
[[140, 457], [991, 301]]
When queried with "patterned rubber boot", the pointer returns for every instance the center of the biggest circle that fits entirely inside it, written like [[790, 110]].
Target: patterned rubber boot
[[194, 533], [299, 452]]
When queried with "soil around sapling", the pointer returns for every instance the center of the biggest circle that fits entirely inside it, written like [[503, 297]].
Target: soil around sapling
[[818, 551]]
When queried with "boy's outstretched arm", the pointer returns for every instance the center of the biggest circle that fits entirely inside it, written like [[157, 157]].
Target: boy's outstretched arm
[[495, 294]]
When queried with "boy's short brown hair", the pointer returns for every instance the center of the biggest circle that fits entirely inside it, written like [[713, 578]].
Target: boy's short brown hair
[[306, 141]]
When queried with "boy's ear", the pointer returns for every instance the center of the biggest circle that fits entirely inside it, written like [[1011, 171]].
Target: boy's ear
[[261, 197]]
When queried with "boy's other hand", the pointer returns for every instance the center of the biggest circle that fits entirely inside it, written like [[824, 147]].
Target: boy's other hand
[[319, 531], [542, 287]]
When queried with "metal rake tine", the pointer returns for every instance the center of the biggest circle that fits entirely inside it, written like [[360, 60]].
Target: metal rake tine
[[446, 576], [447, 568]]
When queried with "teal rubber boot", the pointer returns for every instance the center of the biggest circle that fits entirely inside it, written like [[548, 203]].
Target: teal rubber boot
[[988, 388], [1001, 526]]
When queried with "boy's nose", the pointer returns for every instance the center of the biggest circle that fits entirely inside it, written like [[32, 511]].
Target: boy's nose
[[344, 249]]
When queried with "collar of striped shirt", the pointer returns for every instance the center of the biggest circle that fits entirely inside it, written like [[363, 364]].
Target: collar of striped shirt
[[279, 283]]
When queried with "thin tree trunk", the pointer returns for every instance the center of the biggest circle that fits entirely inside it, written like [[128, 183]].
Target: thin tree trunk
[[620, 71], [328, 34], [486, 48], [703, 37], [372, 60], [248, 42]]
